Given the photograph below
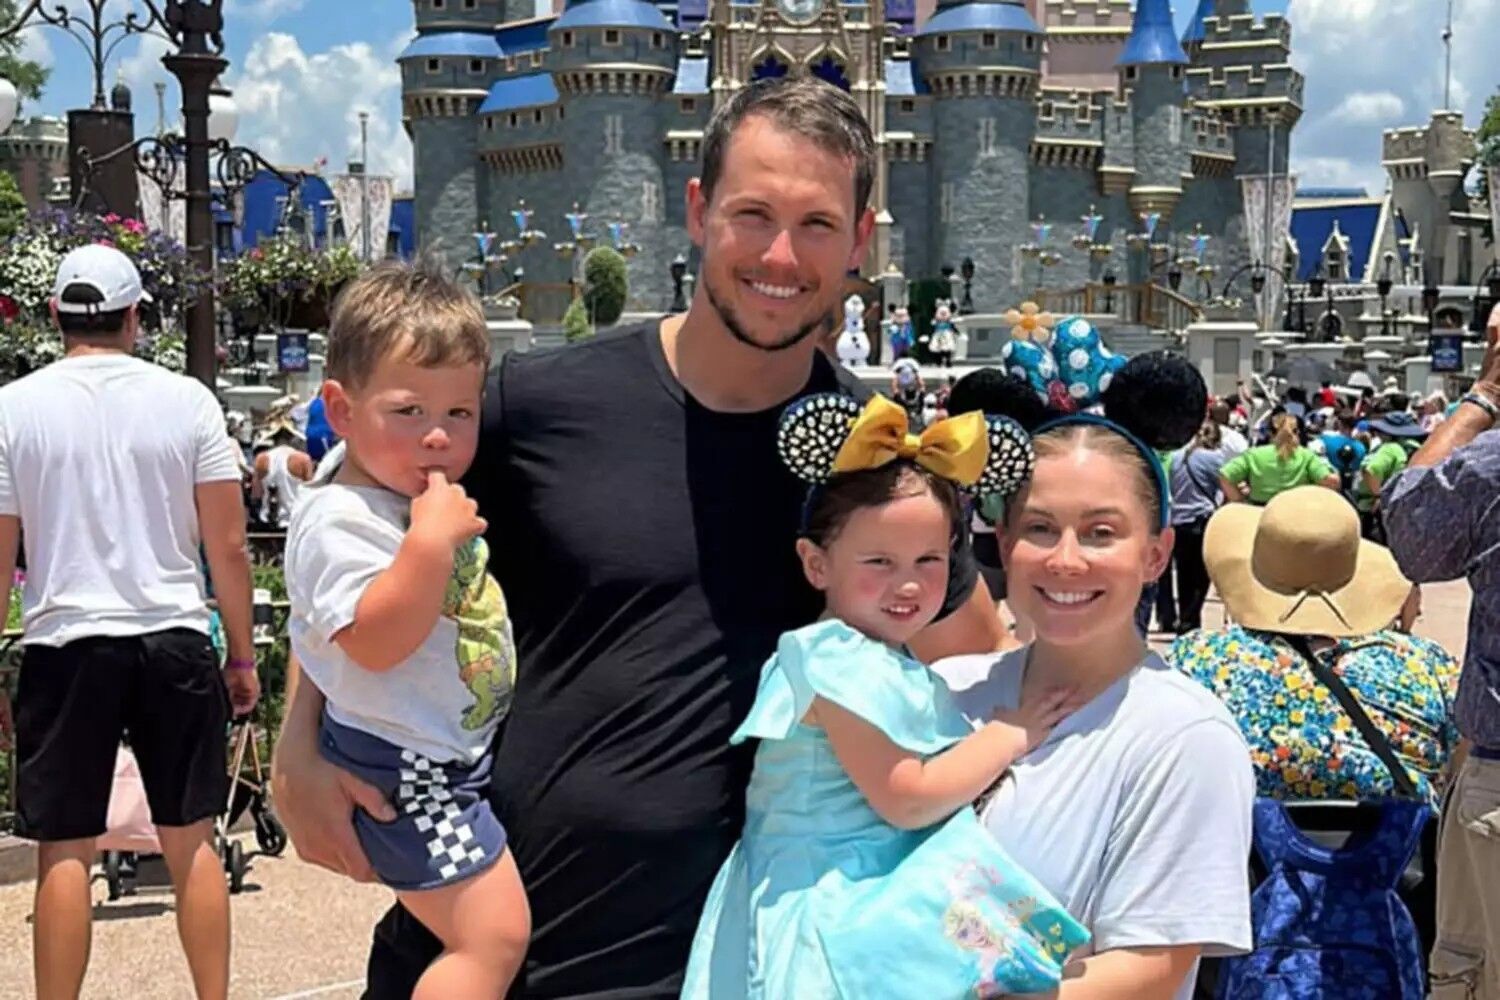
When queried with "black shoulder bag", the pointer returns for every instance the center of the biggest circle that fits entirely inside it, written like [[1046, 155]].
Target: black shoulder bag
[[1371, 733]]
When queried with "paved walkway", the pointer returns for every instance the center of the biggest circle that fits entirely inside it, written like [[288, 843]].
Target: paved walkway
[[302, 932]]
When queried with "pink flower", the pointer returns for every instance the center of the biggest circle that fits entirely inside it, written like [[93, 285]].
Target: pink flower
[[111, 219], [105, 243], [9, 308], [134, 226]]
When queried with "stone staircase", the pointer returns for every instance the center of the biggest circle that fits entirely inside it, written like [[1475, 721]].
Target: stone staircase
[[1131, 339]]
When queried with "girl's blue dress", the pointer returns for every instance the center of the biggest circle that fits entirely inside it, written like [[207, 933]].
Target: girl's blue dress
[[822, 898]]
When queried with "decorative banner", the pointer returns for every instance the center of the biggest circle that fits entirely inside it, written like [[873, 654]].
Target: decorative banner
[[1447, 352], [291, 352], [349, 190], [1268, 209], [160, 213]]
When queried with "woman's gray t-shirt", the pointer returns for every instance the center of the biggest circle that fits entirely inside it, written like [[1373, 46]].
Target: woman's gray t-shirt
[[1135, 812]]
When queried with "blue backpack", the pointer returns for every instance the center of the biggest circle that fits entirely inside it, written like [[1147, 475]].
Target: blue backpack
[[1328, 922]]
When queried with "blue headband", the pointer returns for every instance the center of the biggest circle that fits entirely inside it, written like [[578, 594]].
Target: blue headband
[[1153, 461]]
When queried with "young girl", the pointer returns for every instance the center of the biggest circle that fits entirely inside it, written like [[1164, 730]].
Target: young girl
[[862, 871], [396, 619]]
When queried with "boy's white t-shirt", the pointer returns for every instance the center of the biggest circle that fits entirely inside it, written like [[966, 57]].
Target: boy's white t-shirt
[[1135, 812], [99, 457], [445, 699]]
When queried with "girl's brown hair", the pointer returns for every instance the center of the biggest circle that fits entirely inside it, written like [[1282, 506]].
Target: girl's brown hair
[[834, 502]]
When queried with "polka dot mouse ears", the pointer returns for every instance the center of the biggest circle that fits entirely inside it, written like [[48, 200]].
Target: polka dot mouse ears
[[1068, 367], [831, 433]]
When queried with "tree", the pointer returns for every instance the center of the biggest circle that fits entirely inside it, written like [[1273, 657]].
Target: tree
[[1488, 140], [575, 322], [29, 77], [12, 206], [604, 285]]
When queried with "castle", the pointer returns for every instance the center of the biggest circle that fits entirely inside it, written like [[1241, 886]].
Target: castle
[[989, 115]]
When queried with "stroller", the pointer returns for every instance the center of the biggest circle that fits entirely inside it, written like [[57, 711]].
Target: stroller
[[130, 833]]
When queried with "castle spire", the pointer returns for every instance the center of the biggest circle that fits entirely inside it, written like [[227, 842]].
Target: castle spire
[[1152, 37], [1194, 32]]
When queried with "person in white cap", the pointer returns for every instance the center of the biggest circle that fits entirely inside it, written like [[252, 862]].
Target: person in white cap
[[117, 470]]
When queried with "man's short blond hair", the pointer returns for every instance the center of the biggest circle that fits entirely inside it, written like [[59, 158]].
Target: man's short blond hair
[[410, 308]]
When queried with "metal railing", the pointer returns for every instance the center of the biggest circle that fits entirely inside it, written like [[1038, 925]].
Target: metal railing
[[1150, 305]]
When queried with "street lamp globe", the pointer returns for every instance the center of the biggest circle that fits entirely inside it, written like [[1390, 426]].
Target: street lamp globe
[[223, 116], [10, 103]]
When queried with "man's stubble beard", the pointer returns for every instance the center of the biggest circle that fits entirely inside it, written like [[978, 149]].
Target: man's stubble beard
[[737, 330]]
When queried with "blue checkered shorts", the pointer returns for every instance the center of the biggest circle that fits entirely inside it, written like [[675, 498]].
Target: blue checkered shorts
[[444, 831]]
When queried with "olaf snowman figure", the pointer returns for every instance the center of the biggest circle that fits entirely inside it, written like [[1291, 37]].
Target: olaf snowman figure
[[853, 347]]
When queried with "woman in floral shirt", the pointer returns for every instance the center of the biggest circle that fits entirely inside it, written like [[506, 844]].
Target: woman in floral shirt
[[1302, 742]]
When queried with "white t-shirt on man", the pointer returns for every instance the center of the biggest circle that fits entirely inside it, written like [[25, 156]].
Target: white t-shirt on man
[[1135, 812], [99, 456], [446, 699]]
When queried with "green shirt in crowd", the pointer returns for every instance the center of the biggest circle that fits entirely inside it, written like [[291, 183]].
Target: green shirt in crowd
[[1268, 474], [1383, 463]]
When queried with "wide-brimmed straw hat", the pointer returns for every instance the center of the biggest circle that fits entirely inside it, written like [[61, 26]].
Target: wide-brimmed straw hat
[[1298, 566]]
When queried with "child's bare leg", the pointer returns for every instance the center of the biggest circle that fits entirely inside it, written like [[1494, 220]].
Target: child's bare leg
[[484, 923]]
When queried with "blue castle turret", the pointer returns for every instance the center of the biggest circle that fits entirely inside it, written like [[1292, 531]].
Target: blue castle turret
[[1151, 68]]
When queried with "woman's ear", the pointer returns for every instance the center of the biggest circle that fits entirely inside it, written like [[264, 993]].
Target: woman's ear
[[1160, 553], [337, 407], [814, 563]]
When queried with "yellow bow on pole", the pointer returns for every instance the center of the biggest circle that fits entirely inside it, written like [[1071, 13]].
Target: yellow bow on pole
[[955, 448]]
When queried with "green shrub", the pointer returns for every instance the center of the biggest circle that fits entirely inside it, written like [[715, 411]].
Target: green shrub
[[575, 322], [604, 285]]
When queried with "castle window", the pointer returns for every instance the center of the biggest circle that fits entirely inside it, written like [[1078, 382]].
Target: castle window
[[908, 106], [657, 41], [987, 40], [536, 117], [476, 65], [471, 4], [944, 43], [1030, 43], [567, 39], [439, 4], [515, 119], [1046, 109], [489, 124], [510, 64], [688, 105], [1177, 72], [1130, 73], [434, 65], [560, 110], [537, 56], [611, 36]]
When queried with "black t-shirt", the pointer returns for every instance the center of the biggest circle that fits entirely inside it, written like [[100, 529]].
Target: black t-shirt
[[645, 545]]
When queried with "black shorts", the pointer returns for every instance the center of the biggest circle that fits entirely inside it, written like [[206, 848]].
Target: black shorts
[[76, 702]]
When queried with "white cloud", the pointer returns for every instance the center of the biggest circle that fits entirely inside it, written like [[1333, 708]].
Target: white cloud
[[296, 107], [1363, 108], [1375, 64]]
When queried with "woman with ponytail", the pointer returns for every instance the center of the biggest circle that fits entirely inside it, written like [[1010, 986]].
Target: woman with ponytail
[[1263, 472]]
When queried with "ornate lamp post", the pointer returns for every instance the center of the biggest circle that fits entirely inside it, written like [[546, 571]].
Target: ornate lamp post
[[1383, 286], [966, 269], [196, 28], [678, 270], [1109, 280]]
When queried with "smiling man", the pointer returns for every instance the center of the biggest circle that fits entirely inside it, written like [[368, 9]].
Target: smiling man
[[643, 529]]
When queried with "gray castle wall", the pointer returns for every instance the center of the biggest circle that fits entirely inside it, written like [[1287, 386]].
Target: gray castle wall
[[450, 184]]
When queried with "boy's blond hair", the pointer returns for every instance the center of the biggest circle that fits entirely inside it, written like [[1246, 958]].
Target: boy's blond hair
[[412, 308]]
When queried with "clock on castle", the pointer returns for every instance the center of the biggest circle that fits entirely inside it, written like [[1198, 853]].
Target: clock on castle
[[989, 115]]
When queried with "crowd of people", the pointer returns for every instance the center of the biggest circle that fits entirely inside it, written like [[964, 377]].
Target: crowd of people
[[670, 664]]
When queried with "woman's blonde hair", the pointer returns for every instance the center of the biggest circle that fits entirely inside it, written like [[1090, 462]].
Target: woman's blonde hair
[[1103, 441], [1286, 440]]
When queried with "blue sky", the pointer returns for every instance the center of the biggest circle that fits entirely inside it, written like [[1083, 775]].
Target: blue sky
[[302, 69]]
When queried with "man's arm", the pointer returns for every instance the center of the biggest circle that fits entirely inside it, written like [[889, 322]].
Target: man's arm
[[221, 519], [314, 799], [1434, 506], [973, 627], [1127, 974]]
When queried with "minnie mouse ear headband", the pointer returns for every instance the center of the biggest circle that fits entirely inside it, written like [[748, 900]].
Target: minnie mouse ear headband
[[829, 433], [1155, 401]]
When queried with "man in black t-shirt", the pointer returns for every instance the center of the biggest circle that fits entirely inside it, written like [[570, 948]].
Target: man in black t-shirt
[[642, 529]]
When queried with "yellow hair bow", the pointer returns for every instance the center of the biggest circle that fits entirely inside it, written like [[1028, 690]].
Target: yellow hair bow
[[956, 448]]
